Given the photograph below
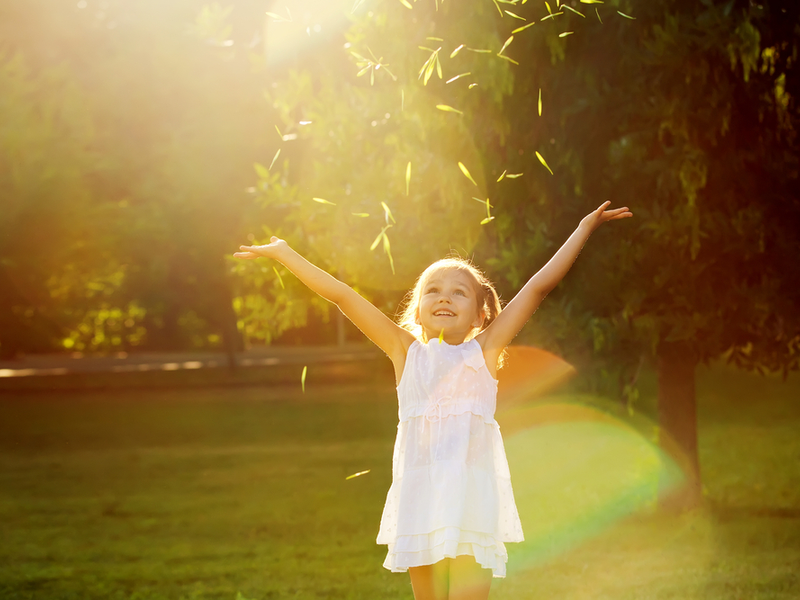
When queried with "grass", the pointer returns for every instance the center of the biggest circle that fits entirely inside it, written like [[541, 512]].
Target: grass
[[210, 493]]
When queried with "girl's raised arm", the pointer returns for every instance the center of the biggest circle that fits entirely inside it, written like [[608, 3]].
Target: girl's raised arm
[[508, 323], [385, 333]]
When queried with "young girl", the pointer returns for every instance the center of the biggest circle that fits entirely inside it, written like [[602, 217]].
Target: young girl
[[450, 507]]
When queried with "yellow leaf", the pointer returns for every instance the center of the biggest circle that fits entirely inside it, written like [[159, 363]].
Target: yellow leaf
[[498, 7], [499, 179], [280, 279], [387, 213], [479, 50], [598, 15], [511, 14], [540, 102], [303, 378], [541, 160], [508, 41], [408, 176], [441, 335], [360, 214], [523, 28], [406, 4], [553, 16], [457, 77], [357, 474], [465, 171], [434, 39], [274, 158], [548, 8], [591, 2], [511, 60], [456, 51], [446, 108], [486, 220], [565, 34], [472, 85], [568, 7], [626, 16], [514, 175], [323, 201]]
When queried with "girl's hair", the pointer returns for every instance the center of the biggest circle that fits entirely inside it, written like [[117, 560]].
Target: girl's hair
[[487, 298]]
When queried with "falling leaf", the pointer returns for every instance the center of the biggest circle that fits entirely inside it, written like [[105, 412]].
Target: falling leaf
[[485, 202], [406, 4], [511, 14], [465, 171], [289, 137], [279, 17], [441, 335], [323, 201], [402, 100], [446, 108], [458, 77], [499, 179], [565, 34], [360, 214], [508, 41], [279, 132], [540, 102], [523, 28], [486, 220], [622, 14], [408, 176], [376, 242], [479, 50], [553, 16], [434, 39], [261, 170], [548, 8], [498, 7], [598, 15], [472, 85], [388, 249], [280, 279], [514, 175], [303, 378], [511, 60], [305, 122], [357, 474], [456, 51], [387, 213], [591, 2], [568, 7], [356, 5], [274, 158], [541, 160]]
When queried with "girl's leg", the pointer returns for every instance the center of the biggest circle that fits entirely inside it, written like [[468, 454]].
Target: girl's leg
[[430, 582], [468, 580]]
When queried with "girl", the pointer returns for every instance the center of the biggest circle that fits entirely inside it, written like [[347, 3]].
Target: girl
[[450, 507]]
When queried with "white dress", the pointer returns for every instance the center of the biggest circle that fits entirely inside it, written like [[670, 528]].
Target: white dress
[[451, 489]]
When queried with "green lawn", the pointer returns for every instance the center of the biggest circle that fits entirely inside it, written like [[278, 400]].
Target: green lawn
[[206, 493]]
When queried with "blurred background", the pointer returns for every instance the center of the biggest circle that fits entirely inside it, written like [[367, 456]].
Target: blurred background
[[142, 141]]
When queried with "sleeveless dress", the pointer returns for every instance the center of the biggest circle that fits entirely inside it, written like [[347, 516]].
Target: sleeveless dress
[[451, 488]]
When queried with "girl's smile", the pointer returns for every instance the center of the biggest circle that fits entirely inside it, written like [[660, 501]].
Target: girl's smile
[[449, 302]]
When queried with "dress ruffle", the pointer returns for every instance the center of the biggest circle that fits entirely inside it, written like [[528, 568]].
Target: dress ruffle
[[447, 542]]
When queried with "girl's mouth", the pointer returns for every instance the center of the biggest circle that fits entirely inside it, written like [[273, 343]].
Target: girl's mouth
[[443, 313]]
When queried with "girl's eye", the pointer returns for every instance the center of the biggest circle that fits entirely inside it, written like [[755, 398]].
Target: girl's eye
[[459, 292], [432, 290]]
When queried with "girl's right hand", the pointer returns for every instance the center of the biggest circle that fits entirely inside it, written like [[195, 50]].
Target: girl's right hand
[[271, 250]]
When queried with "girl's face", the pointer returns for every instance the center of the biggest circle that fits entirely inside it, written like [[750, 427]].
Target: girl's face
[[449, 302]]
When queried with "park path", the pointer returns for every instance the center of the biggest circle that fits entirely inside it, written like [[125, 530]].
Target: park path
[[64, 364]]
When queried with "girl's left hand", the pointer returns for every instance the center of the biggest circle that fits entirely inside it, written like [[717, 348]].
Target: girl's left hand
[[596, 218]]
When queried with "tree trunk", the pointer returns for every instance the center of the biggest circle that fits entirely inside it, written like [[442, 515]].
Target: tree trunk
[[677, 417]]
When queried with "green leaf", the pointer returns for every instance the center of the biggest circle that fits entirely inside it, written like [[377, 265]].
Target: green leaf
[[457, 77], [626, 16], [553, 16], [598, 15], [499, 179], [280, 279], [408, 176], [261, 170], [465, 171], [523, 28], [498, 7], [508, 41], [274, 158], [360, 214], [446, 108], [511, 14], [357, 474], [323, 201], [541, 160], [303, 378]]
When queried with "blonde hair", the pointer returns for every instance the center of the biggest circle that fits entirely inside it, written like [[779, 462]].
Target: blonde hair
[[487, 299]]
